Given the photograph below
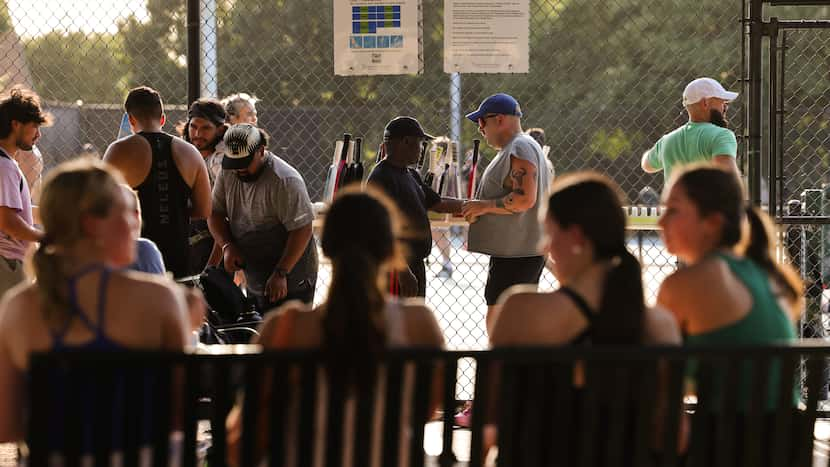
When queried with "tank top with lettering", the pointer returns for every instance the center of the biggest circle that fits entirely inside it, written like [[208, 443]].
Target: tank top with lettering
[[165, 210]]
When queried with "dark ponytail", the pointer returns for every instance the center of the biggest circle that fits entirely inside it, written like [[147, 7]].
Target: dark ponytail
[[622, 305], [593, 202], [353, 327], [359, 236], [758, 250], [716, 191]]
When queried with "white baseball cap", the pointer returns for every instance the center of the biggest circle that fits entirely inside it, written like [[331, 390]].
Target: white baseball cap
[[704, 88], [241, 142]]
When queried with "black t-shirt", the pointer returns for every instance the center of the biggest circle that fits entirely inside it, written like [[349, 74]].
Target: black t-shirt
[[413, 198]]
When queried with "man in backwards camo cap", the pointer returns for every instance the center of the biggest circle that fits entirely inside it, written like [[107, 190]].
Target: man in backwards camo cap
[[261, 219]]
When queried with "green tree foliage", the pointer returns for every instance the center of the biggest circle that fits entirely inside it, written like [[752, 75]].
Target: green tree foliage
[[155, 49], [76, 65], [5, 20], [605, 80]]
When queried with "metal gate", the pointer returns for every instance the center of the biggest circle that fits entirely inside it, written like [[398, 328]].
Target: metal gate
[[788, 131]]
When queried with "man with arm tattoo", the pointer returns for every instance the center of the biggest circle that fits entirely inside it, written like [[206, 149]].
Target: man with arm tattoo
[[504, 217]]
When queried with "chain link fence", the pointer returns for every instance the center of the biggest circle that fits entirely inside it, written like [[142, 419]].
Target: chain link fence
[[605, 82]]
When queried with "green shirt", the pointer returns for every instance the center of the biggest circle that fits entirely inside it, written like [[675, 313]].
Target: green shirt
[[692, 142], [766, 323]]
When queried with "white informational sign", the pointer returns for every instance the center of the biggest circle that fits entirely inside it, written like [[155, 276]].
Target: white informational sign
[[486, 36], [377, 37]]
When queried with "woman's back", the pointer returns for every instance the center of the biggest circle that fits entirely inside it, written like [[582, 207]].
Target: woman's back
[[298, 327], [728, 300], [556, 318], [137, 310], [407, 324]]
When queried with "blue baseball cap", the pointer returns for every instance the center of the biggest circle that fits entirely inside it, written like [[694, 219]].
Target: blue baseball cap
[[502, 104]]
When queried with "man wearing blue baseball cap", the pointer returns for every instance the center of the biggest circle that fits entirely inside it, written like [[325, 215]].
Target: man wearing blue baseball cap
[[504, 217]]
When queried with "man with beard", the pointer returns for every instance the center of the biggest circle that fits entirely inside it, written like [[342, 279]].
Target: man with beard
[[261, 219], [168, 174], [703, 138], [204, 129], [20, 119]]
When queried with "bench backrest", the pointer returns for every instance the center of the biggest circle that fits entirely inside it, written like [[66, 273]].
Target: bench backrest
[[133, 399]]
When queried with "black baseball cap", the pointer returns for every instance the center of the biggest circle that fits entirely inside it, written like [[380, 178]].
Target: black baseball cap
[[399, 127]]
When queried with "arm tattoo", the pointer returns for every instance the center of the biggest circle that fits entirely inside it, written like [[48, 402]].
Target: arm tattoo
[[518, 177]]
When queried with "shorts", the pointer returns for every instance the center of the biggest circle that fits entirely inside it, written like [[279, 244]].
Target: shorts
[[507, 272], [11, 274]]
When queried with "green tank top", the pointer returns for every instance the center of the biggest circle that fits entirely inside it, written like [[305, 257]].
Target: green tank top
[[766, 323]]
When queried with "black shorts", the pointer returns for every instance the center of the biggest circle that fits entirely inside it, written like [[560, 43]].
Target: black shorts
[[507, 272]]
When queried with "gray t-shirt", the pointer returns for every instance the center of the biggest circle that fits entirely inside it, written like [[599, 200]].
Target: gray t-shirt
[[261, 214], [515, 235]]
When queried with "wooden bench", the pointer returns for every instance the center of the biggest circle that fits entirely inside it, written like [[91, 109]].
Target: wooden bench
[[528, 393]]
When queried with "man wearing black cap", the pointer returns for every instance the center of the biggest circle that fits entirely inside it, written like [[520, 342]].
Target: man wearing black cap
[[262, 219], [504, 217], [402, 142], [168, 174]]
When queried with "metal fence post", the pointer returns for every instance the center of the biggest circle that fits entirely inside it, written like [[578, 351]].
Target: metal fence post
[[193, 52], [812, 204]]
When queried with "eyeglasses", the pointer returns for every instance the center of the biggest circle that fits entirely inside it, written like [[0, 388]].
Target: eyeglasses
[[483, 120]]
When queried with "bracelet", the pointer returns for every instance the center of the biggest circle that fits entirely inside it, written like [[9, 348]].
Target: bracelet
[[225, 245]]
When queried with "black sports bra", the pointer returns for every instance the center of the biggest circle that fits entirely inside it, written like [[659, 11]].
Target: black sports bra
[[585, 336]]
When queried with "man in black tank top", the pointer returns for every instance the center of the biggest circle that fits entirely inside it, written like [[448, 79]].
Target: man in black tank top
[[169, 175]]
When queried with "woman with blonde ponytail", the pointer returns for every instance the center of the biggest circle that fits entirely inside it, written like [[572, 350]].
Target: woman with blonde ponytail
[[82, 299]]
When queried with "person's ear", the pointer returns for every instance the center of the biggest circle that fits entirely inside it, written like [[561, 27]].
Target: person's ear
[[163, 119], [713, 223], [133, 122], [90, 226]]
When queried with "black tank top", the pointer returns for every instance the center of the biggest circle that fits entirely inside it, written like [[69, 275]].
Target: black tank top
[[584, 337], [165, 199]]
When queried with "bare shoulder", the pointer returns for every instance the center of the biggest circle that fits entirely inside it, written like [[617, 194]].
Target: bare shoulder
[[182, 148], [525, 316], [304, 322], [121, 146], [519, 296], [16, 305], [421, 326], [155, 291], [660, 327]]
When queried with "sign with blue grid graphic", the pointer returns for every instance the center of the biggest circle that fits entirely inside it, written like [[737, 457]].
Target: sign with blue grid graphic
[[377, 37]]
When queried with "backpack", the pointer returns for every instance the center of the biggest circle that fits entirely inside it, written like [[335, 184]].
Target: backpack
[[223, 296]]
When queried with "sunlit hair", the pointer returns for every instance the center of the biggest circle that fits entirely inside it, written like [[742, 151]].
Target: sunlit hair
[[593, 202], [233, 104], [21, 105], [71, 191], [745, 229], [360, 236]]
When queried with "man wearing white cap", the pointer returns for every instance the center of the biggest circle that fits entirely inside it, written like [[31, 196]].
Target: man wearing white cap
[[703, 138], [261, 219]]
